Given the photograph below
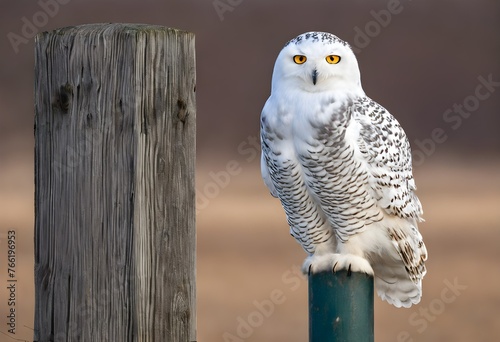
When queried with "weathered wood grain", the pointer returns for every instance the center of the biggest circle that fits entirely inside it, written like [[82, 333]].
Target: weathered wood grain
[[114, 184]]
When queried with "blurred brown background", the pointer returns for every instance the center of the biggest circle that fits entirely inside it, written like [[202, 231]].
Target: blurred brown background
[[422, 60]]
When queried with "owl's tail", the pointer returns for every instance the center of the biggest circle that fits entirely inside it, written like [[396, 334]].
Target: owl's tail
[[398, 262], [398, 291]]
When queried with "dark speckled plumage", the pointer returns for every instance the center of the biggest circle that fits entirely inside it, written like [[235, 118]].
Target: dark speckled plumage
[[341, 166]]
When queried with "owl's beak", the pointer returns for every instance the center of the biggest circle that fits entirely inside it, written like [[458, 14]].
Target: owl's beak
[[315, 76]]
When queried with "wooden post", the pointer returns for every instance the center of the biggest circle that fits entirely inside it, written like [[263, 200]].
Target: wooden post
[[340, 307], [114, 184]]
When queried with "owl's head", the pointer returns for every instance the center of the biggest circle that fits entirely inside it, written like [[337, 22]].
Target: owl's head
[[317, 62]]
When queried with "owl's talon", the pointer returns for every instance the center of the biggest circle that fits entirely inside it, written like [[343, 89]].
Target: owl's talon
[[336, 262]]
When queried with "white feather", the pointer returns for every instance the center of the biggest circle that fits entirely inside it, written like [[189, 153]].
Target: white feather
[[341, 166]]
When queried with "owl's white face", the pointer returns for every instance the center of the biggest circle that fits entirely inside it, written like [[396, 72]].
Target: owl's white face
[[317, 62]]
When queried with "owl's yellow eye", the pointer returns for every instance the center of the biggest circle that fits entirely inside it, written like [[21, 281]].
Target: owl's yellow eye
[[299, 59], [333, 59]]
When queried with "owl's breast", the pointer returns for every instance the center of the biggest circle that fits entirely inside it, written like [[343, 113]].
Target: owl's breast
[[336, 176], [313, 158]]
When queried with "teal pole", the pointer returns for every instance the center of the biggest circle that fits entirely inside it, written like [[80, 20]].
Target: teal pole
[[340, 307]]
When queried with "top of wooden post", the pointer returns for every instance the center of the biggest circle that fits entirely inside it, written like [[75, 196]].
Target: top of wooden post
[[112, 28]]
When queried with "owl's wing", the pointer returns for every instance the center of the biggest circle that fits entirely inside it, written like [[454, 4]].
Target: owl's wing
[[266, 176], [385, 149]]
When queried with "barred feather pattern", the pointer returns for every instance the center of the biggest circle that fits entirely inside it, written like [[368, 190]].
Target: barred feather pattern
[[307, 224], [340, 164], [336, 188], [337, 179]]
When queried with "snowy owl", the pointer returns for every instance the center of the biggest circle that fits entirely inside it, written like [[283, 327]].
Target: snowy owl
[[340, 164]]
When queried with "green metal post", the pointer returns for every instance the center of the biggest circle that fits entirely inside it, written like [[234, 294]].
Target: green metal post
[[340, 307]]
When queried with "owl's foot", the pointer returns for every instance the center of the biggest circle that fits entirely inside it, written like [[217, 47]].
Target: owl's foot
[[335, 262]]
